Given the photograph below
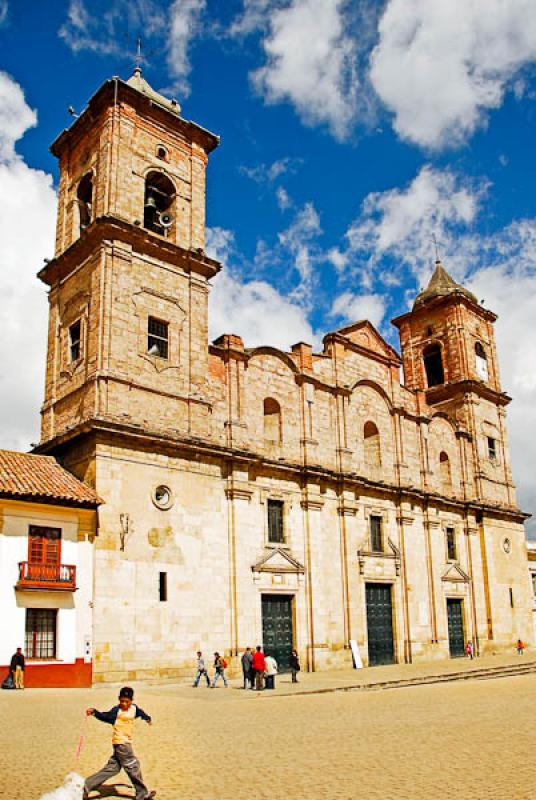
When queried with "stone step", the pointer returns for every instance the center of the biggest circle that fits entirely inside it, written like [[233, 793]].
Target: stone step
[[484, 673]]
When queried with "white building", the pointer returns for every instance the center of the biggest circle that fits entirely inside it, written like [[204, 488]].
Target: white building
[[47, 527]]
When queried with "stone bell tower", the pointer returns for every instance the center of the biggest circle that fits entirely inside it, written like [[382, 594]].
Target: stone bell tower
[[448, 350], [127, 338]]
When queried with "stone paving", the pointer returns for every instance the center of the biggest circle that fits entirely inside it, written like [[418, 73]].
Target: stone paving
[[466, 739]]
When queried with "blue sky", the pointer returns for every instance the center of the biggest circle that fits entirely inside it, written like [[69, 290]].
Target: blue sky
[[351, 132]]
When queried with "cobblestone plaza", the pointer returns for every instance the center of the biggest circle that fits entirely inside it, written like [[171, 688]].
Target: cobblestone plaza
[[469, 738]]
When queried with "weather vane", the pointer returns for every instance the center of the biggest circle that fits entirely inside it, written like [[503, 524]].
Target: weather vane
[[436, 247], [139, 58]]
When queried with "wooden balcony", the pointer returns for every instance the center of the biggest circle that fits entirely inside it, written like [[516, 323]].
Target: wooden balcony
[[51, 577]]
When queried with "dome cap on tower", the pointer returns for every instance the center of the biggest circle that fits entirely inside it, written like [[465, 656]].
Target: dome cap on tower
[[441, 285], [138, 82]]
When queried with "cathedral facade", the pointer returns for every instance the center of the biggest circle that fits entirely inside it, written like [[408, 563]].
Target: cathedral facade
[[255, 496]]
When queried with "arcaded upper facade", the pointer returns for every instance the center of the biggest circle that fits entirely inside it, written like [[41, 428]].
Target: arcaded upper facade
[[253, 495]]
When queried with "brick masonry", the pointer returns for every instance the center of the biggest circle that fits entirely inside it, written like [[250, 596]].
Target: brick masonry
[[128, 422]]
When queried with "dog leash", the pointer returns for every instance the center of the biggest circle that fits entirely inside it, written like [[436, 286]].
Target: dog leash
[[82, 737]]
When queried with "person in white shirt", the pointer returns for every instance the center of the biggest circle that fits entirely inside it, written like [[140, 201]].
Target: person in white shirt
[[270, 671]]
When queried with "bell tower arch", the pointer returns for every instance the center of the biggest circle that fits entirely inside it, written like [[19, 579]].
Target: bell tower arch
[[128, 330]]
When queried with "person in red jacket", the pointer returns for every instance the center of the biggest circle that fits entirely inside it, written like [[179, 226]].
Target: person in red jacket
[[259, 665]]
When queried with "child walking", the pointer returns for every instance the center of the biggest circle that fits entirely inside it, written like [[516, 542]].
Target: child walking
[[122, 718], [520, 647], [469, 650]]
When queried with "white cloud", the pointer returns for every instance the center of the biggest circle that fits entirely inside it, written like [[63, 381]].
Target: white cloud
[[284, 201], [440, 66], [268, 173], [15, 116], [299, 239], [27, 203], [255, 16], [254, 310], [102, 30], [99, 27], [401, 222], [185, 17], [257, 312], [355, 307], [3, 11], [312, 63]]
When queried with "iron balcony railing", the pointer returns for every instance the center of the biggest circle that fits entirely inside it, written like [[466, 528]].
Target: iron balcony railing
[[47, 576]]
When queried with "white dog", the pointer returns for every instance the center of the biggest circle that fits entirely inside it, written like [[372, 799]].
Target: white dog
[[72, 788]]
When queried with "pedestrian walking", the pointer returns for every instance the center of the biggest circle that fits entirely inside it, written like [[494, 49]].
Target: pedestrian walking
[[294, 663], [270, 670], [247, 668], [469, 650], [122, 718], [220, 665], [520, 647], [201, 670], [17, 668], [259, 666]]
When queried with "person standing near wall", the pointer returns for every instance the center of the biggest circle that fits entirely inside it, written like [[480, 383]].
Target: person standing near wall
[[259, 665], [17, 668], [294, 663], [247, 669], [270, 671]]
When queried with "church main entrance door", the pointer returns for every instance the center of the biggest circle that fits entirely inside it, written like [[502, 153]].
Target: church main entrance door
[[455, 620], [277, 635], [380, 624]]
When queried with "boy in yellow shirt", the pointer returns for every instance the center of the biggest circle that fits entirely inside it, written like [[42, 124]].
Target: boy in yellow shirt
[[122, 718]]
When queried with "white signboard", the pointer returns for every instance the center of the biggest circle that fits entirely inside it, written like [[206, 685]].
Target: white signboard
[[358, 664]]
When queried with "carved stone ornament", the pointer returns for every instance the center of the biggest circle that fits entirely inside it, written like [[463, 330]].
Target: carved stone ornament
[[278, 561]]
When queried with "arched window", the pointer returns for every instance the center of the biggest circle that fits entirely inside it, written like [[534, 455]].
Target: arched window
[[433, 365], [272, 421], [481, 362], [372, 449], [84, 196], [158, 203], [444, 470]]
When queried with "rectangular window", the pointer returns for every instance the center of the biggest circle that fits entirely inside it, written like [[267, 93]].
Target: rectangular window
[[511, 597], [163, 587], [534, 584], [492, 449], [451, 544], [275, 521], [74, 340], [157, 337], [40, 633], [376, 544], [44, 545]]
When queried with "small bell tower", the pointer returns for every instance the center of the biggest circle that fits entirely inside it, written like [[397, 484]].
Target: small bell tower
[[128, 329], [448, 352]]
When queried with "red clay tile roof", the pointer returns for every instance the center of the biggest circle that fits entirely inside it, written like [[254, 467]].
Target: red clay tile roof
[[41, 477]]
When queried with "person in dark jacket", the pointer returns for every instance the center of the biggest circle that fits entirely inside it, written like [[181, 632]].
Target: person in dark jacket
[[247, 669], [122, 718], [294, 663], [17, 668]]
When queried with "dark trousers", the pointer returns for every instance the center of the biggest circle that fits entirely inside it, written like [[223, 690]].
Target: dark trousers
[[249, 679], [270, 681], [122, 757], [294, 675]]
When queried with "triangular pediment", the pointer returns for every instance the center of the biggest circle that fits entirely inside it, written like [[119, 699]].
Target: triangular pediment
[[455, 574], [278, 560], [364, 334]]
